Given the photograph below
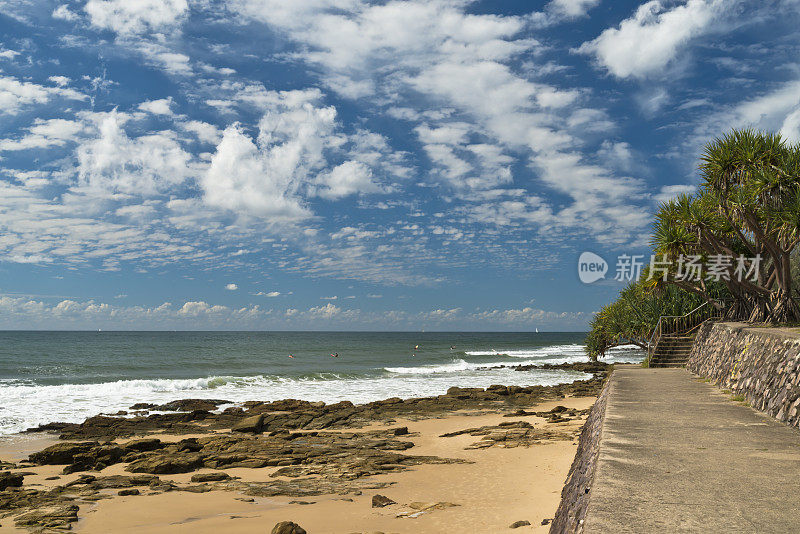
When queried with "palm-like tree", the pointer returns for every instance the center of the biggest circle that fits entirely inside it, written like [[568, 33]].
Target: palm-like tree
[[754, 177]]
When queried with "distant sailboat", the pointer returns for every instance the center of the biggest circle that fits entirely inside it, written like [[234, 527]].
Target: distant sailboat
[[537, 330]]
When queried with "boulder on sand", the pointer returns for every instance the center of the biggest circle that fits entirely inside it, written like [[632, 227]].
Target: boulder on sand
[[288, 527], [379, 501], [10, 480]]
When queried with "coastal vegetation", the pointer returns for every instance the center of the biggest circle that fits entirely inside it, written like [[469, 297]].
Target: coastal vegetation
[[744, 219], [630, 319]]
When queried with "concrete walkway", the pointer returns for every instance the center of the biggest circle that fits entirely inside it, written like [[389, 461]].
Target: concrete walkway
[[678, 455]]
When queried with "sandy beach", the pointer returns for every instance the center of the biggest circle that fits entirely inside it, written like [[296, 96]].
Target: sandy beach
[[483, 488]]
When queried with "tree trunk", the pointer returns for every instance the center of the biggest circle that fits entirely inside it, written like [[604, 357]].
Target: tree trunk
[[782, 308]]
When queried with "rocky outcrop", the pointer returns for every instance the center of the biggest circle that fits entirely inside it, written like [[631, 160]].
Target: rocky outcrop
[[515, 434], [263, 417], [288, 527], [311, 448], [762, 365], [577, 489], [49, 517]]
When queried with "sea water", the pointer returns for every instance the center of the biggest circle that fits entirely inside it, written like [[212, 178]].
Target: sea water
[[68, 376]]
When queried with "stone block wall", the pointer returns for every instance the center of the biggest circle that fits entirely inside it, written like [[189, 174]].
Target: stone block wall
[[761, 364], [575, 495]]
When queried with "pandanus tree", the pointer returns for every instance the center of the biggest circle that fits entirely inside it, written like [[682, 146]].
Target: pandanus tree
[[744, 220], [747, 210]]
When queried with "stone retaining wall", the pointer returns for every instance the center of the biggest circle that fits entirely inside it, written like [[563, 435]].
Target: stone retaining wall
[[761, 364], [575, 495]]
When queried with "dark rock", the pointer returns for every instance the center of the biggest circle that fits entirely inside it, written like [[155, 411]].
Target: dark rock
[[401, 431], [287, 527], [379, 501], [191, 405], [143, 406], [126, 492], [189, 444], [10, 480], [210, 477], [61, 453], [498, 390], [253, 424], [143, 445], [49, 516], [166, 464], [546, 521], [517, 524], [83, 479]]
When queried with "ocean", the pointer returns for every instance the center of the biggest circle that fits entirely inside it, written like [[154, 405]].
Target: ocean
[[68, 376]]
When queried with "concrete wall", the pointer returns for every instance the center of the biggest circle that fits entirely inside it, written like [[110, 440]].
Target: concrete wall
[[576, 492], [762, 364]]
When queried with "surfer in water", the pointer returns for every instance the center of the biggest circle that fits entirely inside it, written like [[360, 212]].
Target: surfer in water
[[291, 355]]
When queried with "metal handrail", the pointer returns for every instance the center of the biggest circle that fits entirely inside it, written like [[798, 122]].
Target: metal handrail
[[658, 331]]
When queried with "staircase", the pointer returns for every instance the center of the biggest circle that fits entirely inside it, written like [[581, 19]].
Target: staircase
[[673, 336], [672, 351]]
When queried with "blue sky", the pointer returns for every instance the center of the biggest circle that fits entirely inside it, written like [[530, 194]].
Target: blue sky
[[344, 164]]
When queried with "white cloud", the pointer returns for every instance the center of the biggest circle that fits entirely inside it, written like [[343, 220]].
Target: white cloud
[[62, 12], [45, 133], [16, 95], [271, 294], [111, 161], [648, 42], [231, 287], [572, 8], [249, 180], [158, 107], [346, 179], [60, 81], [205, 132], [8, 54], [159, 55], [329, 298], [324, 312], [669, 192], [16, 312], [776, 110], [126, 16], [197, 308]]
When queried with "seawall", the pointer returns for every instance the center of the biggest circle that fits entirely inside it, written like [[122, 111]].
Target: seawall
[[760, 364], [576, 492]]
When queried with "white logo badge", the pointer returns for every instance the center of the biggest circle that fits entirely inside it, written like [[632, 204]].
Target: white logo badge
[[591, 267]]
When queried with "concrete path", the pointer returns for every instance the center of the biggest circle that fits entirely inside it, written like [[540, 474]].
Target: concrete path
[[678, 455]]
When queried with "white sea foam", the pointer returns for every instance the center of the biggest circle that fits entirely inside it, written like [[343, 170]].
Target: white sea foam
[[561, 354], [26, 404]]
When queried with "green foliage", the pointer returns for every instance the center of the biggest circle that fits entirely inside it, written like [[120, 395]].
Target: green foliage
[[748, 205], [630, 319]]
